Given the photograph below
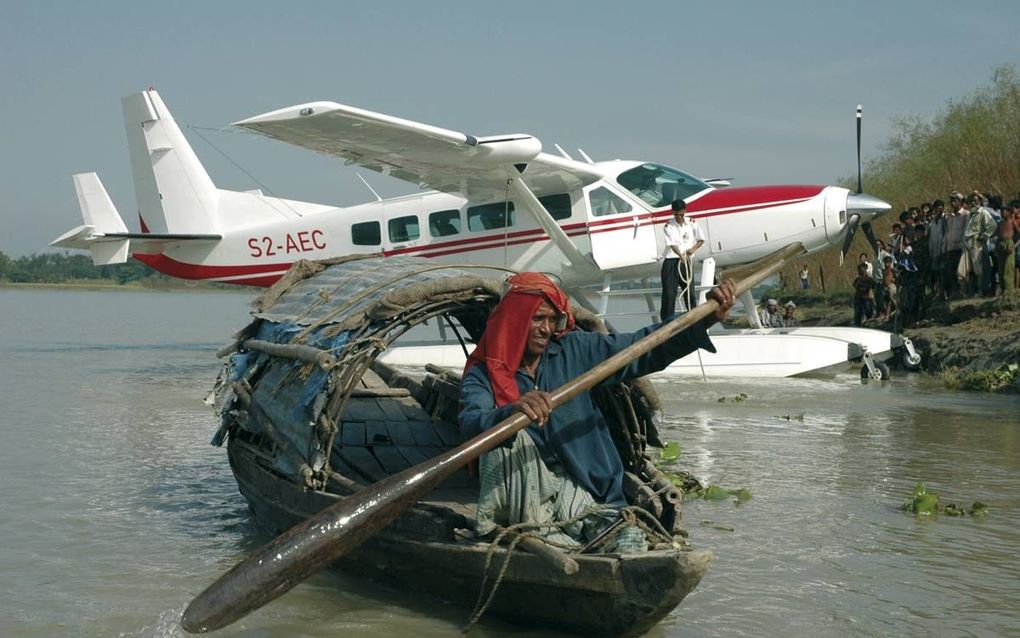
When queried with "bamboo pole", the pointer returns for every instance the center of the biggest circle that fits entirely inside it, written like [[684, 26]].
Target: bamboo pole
[[321, 539], [322, 358]]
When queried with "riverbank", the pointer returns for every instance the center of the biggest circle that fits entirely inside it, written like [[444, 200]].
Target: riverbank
[[960, 338], [108, 285], [970, 338]]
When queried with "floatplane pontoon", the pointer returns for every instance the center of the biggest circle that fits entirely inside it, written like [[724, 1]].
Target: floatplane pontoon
[[747, 352]]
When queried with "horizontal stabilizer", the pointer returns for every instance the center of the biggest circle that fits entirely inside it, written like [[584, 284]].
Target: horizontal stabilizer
[[110, 252], [104, 233]]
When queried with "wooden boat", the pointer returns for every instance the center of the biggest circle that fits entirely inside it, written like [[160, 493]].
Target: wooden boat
[[310, 415]]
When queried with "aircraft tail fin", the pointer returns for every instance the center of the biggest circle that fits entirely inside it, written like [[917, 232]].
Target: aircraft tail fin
[[175, 193], [104, 233]]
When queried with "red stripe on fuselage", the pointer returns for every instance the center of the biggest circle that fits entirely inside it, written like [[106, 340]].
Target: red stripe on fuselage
[[184, 270], [751, 196]]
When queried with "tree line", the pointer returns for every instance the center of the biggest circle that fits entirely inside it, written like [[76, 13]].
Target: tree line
[[52, 268], [973, 143]]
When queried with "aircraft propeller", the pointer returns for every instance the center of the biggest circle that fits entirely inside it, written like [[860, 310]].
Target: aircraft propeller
[[858, 203]]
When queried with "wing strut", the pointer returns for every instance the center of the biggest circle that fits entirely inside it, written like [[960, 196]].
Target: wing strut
[[525, 196]]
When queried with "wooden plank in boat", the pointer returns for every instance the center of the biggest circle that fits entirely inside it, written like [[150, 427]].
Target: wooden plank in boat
[[370, 379], [413, 454], [400, 433], [376, 433], [424, 433], [448, 433], [432, 451], [352, 433], [344, 468], [362, 409], [363, 462], [460, 500], [391, 408], [390, 459], [413, 411]]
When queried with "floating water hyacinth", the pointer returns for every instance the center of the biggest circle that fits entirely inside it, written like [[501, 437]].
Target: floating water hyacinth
[[926, 503], [670, 452]]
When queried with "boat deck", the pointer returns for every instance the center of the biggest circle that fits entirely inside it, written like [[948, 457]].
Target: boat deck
[[384, 430]]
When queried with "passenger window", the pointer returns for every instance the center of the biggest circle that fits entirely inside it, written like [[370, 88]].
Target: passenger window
[[490, 216], [444, 223], [557, 205], [605, 202], [404, 229], [366, 234]]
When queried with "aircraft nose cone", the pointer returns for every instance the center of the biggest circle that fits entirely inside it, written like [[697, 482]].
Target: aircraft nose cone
[[866, 205]]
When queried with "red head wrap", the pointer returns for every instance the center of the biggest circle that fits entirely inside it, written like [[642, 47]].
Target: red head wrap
[[502, 345]]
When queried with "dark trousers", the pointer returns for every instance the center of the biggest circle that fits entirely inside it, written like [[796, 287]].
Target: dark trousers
[[674, 271], [863, 309], [950, 285]]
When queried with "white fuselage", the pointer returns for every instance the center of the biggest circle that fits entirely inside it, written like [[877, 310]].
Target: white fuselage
[[740, 225]]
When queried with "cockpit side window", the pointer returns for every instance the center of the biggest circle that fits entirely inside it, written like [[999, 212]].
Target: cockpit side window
[[658, 185], [604, 202]]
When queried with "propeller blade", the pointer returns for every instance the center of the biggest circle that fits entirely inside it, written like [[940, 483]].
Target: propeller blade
[[851, 230], [860, 111], [869, 232]]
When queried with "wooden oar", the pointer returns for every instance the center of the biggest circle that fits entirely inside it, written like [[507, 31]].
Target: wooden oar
[[318, 541]]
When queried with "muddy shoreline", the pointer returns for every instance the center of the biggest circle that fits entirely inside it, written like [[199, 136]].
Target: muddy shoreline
[[961, 337]]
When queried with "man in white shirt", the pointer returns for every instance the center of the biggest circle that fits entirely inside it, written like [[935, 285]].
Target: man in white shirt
[[683, 239], [770, 317]]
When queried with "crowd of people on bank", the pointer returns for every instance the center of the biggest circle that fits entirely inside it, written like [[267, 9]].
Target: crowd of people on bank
[[938, 252]]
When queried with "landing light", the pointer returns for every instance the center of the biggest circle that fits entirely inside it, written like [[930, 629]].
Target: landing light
[[307, 111]]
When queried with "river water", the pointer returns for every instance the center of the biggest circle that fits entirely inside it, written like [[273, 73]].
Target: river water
[[115, 511]]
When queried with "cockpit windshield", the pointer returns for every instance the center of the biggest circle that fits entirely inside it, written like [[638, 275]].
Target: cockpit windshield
[[659, 185]]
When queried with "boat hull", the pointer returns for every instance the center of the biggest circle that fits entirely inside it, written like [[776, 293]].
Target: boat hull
[[610, 595]]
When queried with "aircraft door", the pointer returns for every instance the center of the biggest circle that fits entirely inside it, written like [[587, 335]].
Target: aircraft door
[[621, 234]]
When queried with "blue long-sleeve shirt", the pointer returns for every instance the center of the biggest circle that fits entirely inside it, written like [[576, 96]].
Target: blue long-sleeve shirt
[[576, 433]]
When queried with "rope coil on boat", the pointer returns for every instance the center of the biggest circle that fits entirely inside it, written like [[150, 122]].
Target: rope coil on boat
[[630, 516]]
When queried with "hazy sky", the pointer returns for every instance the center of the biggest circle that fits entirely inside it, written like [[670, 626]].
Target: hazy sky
[[764, 92]]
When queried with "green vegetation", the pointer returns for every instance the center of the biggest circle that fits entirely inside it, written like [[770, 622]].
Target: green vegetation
[[692, 487], [52, 268], [925, 503], [973, 143], [670, 452], [995, 380], [78, 269]]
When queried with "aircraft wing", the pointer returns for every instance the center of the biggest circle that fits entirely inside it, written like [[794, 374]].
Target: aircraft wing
[[425, 155]]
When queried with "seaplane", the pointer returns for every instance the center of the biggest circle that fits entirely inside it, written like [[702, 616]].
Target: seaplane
[[498, 200]]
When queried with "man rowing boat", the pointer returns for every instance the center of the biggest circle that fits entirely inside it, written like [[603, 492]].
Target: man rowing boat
[[567, 462]]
